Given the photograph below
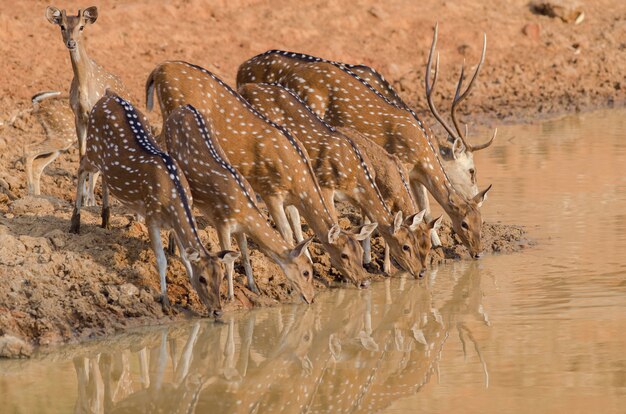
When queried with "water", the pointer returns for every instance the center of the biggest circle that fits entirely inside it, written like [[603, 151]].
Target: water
[[541, 331]]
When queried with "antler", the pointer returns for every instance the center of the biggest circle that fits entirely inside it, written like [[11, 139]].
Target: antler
[[430, 87], [458, 96]]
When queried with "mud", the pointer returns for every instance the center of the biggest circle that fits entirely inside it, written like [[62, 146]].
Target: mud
[[61, 288]]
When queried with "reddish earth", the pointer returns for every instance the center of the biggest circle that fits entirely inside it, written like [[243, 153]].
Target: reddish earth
[[64, 288]]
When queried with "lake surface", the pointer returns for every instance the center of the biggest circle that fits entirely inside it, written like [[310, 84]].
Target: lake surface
[[541, 331]]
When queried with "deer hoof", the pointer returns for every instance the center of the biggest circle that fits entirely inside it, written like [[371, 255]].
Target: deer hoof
[[75, 223], [106, 218], [165, 304]]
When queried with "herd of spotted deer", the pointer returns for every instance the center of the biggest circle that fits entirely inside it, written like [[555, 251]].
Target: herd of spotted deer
[[300, 132]]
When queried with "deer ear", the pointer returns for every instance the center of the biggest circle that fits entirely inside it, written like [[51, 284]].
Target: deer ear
[[53, 15], [435, 223], [193, 255], [365, 231], [457, 148], [333, 234], [300, 248], [482, 196], [397, 222], [90, 14], [414, 220], [228, 256]]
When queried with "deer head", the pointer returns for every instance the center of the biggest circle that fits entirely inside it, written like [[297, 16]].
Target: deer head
[[456, 152], [425, 243], [299, 271], [467, 223], [403, 245], [346, 252], [208, 274], [72, 26]]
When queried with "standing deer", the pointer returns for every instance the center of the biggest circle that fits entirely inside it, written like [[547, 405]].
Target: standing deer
[[342, 170], [224, 196], [55, 117], [393, 183], [147, 181], [90, 80], [268, 156], [342, 98]]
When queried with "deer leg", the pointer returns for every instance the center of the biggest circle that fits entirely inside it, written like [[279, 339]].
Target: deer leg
[[421, 196], [154, 232], [367, 243], [171, 244], [223, 233], [387, 261], [144, 374], [245, 255], [30, 181], [80, 188], [183, 255], [294, 218], [81, 134], [106, 209], [276, 210], [91, 189], [37, 167]]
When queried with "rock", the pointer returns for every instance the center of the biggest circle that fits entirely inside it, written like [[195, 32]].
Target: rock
[[377, 12], [13, 347], [532, 30], [12, 251], [57, 238], [567, 11], [129, 289], [33, 204]]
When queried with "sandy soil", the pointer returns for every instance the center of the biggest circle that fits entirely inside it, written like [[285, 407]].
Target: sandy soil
[[64, 288]]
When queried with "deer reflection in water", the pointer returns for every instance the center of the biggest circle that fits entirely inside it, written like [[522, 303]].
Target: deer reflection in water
[[350, 352]]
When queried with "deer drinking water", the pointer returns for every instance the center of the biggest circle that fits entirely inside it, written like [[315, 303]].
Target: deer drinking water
[[274, 163], [341, 169], [90, 80], [393, 183], [342, 98], [148, 182], [224, 196]]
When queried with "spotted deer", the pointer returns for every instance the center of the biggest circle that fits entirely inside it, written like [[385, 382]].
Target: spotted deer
[[267, 155], [226, 199], [55, 117], [343, 98], [90, 79], [393, 182], [149, 182], [342, 170]]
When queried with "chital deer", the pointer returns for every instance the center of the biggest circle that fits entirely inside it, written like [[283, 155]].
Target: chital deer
[[342, 98], [90, 80], [148, 182], [342, 170], [392, 179], [457, 155], [224, 196], [55, 117], [270, 158]]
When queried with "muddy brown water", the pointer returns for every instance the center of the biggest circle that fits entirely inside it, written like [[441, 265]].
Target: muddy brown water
[[539, 331]]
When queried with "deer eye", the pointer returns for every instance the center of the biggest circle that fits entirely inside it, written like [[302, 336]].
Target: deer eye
[[81, 28], [464, 225], [344, 256], [306, 273], [203, 280], [405, 247]]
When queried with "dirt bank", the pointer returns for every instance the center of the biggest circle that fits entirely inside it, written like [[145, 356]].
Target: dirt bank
[[62, 288]]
